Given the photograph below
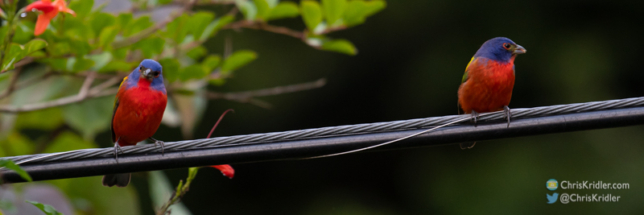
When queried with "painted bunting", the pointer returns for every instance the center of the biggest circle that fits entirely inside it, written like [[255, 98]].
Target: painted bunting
[[488, 80], [138, 109]]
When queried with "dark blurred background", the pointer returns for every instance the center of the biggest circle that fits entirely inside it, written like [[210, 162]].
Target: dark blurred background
[[410, 62]]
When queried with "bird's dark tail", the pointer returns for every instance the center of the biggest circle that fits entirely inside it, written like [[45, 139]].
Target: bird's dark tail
[[120, 180]]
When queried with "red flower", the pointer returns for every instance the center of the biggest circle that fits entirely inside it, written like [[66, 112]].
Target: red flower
[[226, 169], [49, 11]]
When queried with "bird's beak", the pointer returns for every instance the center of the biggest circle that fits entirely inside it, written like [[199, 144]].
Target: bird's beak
[[519, 50], [147, 73]]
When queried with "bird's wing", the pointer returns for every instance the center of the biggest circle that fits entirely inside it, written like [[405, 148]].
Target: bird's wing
[[467, 69], [463, 80], [116, 106]]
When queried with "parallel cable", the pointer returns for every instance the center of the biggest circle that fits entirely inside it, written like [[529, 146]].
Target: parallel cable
[[325, 132]]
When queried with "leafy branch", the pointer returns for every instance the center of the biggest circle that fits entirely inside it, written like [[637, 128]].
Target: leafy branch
[[181, 190]]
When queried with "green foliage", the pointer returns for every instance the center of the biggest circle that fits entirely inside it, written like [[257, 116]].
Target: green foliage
[[13, 166], [89, 117], [247, 8], [59, 60], [35, 119], [199, 21], [237, 59], [215, 26], [333, 11], [91, 197], [17, 52], [67, 141], [357, 11], [312, 14], [161, 190], [283, 10], [341, 45], [45, 208], [170, 68]]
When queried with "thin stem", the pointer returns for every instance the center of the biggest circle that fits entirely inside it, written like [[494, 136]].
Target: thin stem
[[265, 27], [84, 93], [12, 83], [246, 95]]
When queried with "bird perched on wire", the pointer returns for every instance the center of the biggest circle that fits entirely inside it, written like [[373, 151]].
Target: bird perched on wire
[[488, 80], [138, 110]]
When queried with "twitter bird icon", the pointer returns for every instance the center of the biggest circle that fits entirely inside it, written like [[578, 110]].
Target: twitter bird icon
[[552, 198]]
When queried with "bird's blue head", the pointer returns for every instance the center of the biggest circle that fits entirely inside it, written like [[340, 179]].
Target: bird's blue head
[[150, 70], [500, 49]]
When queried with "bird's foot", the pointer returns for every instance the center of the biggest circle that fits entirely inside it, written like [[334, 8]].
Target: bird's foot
[[158, 143], [117, 150], [475, 117], [508, 114]]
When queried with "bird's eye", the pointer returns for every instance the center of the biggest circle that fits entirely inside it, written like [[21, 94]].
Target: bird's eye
[[507, 46], [156, 74], [141, 68]]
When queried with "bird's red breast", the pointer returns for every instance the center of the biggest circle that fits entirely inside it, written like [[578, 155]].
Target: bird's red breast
[[139, 112], [488, 87]]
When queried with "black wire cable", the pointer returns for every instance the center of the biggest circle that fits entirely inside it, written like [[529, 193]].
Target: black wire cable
[[329, 140]]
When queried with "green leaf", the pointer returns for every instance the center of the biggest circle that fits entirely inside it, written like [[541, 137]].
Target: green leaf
[[107, 36], [57, 64], [137, 26], [59, 49], [68, 141], [3, 32], [9, 164], [237, 60], [197, 52], [178, 29], [38, 54], [311, 14], [123, 20], [77, 64], [17, 52], [47, 209], [283, 10], [100, 21], [119, 66], [215, 26], [341, 45], [247, 8], [217, 82], [262, 8], [170, 68], [24, 32], [211, 62], [161, 190], [333, 10], [192, 173], [80, 47], [16, 144], [150, 46], [46, 119], [90, 116], [76, 28], [100, 60], [34, 45], [192, 72], [81, 7], [199, 22], [358, 11], [184, 92], [272, 3]]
